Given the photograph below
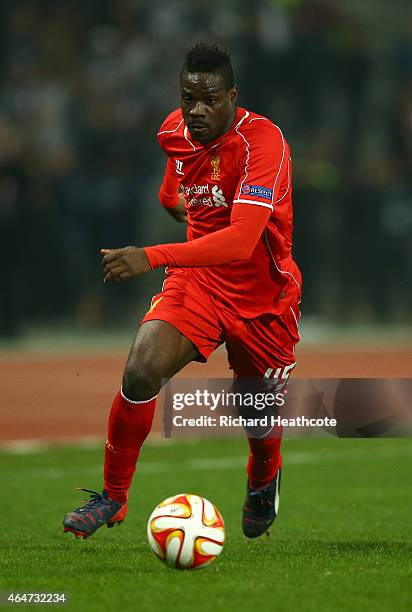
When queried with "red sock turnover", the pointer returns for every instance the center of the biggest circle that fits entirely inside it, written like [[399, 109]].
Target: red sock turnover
[[264, 460], [129, 425]]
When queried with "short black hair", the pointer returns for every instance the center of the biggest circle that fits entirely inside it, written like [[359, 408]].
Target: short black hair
[[202, 57]]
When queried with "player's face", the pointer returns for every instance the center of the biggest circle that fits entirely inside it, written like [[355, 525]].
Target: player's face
[[208, 107]]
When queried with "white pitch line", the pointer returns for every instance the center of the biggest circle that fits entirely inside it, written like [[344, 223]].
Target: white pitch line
[[206, 463], [36, 446]]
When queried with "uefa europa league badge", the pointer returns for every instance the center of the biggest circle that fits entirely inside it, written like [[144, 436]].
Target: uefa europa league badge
[[215, 161]]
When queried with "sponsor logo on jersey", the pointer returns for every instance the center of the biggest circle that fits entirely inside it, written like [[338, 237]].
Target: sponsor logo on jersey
[[218, 197], [196, 189], [256, 190], [215, 161], [212, 195]]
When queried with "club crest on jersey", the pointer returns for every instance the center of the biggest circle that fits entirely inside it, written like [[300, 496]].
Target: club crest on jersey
[[256, 190], [215, 162]]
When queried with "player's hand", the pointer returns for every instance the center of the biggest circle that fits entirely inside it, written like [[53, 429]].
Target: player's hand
[[120, 264], [179, 212]]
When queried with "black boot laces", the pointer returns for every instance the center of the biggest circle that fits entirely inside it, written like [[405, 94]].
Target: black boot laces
[[95, 500], [262, 497]]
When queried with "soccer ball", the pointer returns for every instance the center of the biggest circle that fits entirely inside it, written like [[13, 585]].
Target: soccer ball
[[186, 531]]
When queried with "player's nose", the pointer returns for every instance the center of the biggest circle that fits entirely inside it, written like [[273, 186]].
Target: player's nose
[[198, 110]]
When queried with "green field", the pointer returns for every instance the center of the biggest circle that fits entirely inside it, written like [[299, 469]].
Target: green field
[[342, 539]]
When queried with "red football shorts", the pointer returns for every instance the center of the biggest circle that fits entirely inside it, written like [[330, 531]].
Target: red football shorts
[[257, 348]]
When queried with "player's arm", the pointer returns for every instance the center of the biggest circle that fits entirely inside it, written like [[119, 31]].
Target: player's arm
[[260, 166], [233, 243], [170, 195]]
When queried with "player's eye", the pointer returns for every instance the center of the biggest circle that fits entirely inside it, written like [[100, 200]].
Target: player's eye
[[211, 101], [187, 98]]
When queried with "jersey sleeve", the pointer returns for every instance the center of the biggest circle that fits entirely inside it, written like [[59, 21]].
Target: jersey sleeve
[[262, 161], [169, 189], [233, 243]]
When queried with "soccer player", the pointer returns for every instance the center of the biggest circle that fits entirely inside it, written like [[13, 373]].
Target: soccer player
[[234, 281]]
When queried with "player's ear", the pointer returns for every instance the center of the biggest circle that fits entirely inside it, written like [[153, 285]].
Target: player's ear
[[233, 93]]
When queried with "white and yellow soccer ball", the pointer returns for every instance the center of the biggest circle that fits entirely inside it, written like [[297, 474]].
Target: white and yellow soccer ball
[[186, 531]]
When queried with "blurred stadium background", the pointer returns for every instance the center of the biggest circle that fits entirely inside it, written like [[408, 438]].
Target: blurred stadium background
[[84, 87]]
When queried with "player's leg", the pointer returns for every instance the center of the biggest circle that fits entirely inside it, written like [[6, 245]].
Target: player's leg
[[264, 465], [159, 351], [264, 440], [263, 349], [179, 328]]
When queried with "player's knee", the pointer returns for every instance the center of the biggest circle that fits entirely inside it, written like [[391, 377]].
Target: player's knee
[[140, 381]]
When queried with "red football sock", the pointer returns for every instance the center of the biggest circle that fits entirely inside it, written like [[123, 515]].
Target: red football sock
[[264, 459], [129, 425]]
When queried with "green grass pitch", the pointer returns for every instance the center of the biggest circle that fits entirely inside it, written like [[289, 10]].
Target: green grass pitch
[[342, 539]]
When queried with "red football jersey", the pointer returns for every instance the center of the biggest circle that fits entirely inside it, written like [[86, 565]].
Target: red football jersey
[[249, 164]]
